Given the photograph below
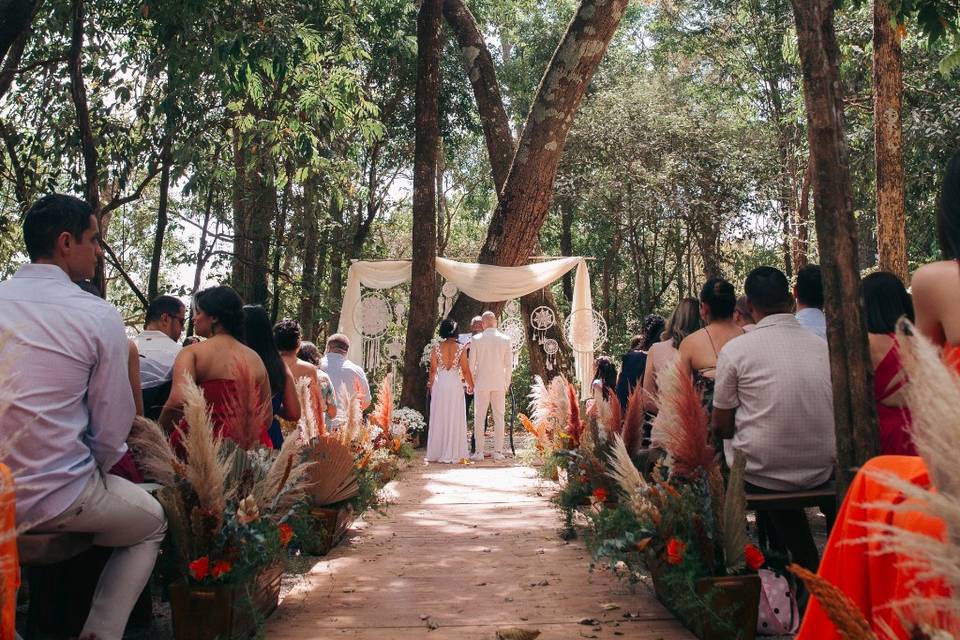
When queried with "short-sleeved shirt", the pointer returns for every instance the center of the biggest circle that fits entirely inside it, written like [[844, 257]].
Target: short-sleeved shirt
[[157, 353], [813, 320], [345, 377], [777, 377]]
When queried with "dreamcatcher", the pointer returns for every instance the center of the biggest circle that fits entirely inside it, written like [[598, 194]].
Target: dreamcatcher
[[393, 349], [400, 312], [551, 347], [512, 309], [541, 320], [447, 293], [372, 318], [585, 330], [513, 328]]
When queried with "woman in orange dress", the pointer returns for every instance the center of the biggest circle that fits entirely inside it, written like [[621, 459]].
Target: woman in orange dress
[[9, 567]]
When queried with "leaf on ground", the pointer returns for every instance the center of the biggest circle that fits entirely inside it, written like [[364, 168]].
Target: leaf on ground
[[609, 606], [516, 633]]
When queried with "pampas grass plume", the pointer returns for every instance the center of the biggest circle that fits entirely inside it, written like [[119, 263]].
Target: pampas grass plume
[[203, 468]]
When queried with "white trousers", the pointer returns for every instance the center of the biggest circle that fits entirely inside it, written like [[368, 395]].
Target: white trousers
[[123, 516], [496, 401]]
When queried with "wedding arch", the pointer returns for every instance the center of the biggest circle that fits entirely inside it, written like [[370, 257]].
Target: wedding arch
[[483, 282]]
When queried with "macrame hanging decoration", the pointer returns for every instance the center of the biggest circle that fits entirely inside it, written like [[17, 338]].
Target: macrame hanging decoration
[[513, 328], [447, 294], [511, 309], [551, 347], [376, 314], [393, 349], [583, 328], [541, 320], [400, 312]]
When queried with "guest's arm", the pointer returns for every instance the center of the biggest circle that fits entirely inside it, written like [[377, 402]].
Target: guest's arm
[[465, 372], [365, 390], [108, 395], [726, 397], [924, 288], [508, 362], [133, 373], [723, 423]]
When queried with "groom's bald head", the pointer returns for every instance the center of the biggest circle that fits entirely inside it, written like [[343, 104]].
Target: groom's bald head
[[489, 319]]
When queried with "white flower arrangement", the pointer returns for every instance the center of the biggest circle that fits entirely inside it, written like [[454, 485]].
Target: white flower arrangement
[[427, 352], [409, 421]]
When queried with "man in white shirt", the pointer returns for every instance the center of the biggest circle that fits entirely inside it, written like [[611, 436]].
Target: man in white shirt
[[773, 398], [72, 410], [809, 294], [345, 376], [158, 346], [491, 362]]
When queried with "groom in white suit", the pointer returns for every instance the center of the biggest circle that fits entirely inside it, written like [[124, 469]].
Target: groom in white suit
[[491, 362]]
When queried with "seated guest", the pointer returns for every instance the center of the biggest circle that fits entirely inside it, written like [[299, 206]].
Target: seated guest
[[935, 285], [809, 294], [216, 365], [684, 320], [258, 335], [345, 376], [773, 398], [286, 335], [604, 381], [700, 350], [310, 352], [741, 315], [72, 415], [885, 301], [158, 349], [633, 362]]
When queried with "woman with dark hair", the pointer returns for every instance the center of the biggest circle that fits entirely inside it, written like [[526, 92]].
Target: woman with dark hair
[[885, 301], [935, 286], [604, 377], [224, 368], [700, 350], [684, 320], [258, 334], [286, 335], [633, 362], [449, 371]]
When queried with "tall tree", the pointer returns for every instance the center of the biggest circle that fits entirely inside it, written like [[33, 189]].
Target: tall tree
[[423, 284], [888, 141], [850, 368]]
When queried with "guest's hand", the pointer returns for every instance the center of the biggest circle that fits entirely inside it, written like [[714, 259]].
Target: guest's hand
[[469, 390]]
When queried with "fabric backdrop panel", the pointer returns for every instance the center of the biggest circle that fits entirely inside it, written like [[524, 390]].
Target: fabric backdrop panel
[[373, 275], [490, 283]]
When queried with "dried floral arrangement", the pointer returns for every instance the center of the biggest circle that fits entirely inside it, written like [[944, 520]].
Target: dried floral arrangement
[[229, 508]]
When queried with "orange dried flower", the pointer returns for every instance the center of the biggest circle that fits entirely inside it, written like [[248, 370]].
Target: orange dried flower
[[675, 550], [286, 534]]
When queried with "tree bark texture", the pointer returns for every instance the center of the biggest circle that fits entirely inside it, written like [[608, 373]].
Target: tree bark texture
[[254, 208], [308, 282], [482, 74], [888, 142], [160, 230], [850, 368], [423, 284]]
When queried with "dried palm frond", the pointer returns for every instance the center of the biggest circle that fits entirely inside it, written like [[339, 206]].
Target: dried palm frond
[[333, 476], [843, 612], [734, 518], [247, 413], [279, 475], [153, 453], [681, 425], [633, 422], [203, 468], [574, 423], [307, 426]]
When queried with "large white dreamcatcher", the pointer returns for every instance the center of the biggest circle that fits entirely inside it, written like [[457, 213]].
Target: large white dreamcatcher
[[376, 313], [541, 319], [447, 293], [585, 330], [513, 328]]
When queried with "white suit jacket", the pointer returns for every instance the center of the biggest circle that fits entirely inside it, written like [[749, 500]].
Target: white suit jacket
[[491, 361]]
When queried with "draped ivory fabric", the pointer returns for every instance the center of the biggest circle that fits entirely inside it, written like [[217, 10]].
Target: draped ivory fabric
[[483, 282]]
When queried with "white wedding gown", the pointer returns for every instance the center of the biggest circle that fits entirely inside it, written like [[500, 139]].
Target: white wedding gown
[[447, 439]]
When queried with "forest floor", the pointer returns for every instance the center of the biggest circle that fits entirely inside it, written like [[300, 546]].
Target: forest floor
[[464, 551]]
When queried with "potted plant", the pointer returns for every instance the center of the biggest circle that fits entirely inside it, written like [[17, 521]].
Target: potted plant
[[227, 509], [684, 527]]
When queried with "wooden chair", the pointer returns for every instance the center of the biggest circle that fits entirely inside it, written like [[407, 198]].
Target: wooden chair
[[824, 498]]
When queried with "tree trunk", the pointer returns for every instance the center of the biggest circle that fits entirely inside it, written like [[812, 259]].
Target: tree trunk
[[255, 206], [308, 283], [280, 231], [423, 284], [566, 243], [888, 139], [156, 258], [88, 143], [802, 220], [482, 74], [203, 252], [850, 368]]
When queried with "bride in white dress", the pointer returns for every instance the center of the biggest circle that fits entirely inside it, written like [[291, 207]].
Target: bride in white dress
[[449, 368]]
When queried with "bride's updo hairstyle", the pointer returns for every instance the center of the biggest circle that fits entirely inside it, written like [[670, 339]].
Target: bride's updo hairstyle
[[224, 304], [720, 298], [448, 328]]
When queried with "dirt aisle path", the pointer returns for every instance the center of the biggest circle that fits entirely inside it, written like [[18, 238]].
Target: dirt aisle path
[[465, 550]]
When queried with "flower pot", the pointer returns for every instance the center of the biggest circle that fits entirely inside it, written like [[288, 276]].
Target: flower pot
[[229, 611], [733, 599], [330, 525]]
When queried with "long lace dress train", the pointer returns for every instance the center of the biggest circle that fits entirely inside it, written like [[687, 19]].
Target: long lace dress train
[[447, 439]]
